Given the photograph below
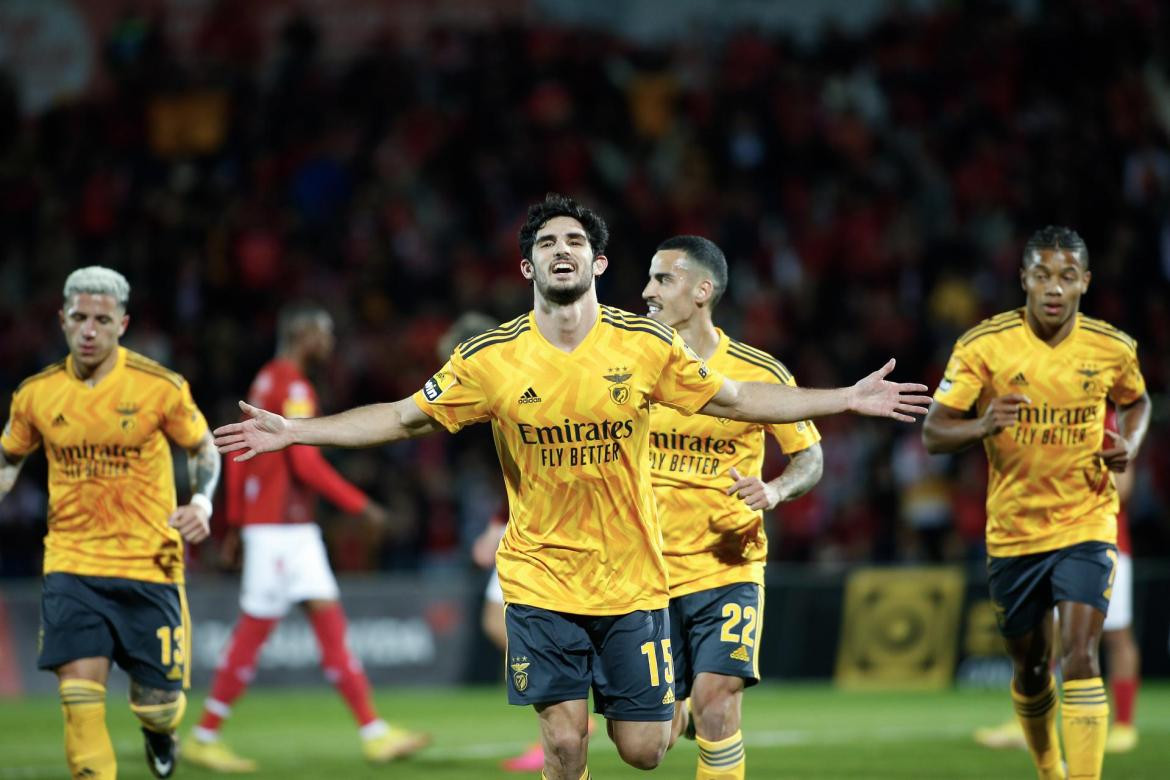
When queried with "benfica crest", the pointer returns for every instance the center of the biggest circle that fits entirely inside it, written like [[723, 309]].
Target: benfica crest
[[619, 391], [520, 677]]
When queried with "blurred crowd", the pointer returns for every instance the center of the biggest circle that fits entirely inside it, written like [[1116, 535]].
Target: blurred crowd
[[872, 192]]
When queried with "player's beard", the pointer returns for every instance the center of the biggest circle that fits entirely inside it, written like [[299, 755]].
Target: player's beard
[[563, 296]]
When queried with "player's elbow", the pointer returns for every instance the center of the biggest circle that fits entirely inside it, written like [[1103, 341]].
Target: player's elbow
[[816, 459], [932, 440]]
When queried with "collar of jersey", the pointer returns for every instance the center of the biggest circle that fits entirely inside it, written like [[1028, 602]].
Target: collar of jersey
[[579, 349], [121, 361], [1072, 334]]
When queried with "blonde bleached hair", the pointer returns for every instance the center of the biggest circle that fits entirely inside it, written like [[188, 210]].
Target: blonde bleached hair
[[98, 280]]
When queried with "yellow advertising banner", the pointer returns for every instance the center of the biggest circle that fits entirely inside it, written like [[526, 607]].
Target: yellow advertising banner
[[900, 628]]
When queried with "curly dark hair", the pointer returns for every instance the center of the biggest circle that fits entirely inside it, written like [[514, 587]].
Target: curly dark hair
[[1054, 237], [557, 205]]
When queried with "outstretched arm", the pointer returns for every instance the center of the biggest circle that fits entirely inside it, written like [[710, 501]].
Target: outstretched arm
[[193, 519], [765, 402], [365, 426], [9, 470]]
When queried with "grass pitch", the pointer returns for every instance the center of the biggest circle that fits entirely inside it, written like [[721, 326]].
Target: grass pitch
[[793, 732]]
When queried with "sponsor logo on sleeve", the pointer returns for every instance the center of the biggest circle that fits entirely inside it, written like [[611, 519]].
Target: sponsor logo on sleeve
[[438, 384]]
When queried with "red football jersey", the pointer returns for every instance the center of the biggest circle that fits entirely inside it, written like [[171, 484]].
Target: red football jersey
[[279, 487]]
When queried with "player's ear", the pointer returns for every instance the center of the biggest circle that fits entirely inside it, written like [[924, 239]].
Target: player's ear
[[703, 291], [526, 269], [1085, 277], [600, 263], [125, 322]]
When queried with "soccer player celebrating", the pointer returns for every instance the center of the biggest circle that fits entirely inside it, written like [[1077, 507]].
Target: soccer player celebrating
[[284, 557], [1032, 385], [113, 569], [566, 388], [710, 497]]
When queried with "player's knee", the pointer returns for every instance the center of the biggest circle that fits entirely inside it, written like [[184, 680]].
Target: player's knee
[[715, 707], [566, 747], [1079, 662], [644, 753], [161, 712]]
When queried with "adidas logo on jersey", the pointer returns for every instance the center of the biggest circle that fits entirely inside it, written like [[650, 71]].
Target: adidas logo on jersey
[[1019, 380], [529, 397], [59, 420], [669, 697], [741, 654]]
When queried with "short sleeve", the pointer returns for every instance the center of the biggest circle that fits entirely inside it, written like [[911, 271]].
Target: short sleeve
[[1130, 384], [453, 397], [964, 379], [794, 436], [20, 435], [184, 424], [300, 401], [686, 383]]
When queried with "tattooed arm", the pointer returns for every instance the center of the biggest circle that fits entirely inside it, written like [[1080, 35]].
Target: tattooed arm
[[193, 519], [799, 476]]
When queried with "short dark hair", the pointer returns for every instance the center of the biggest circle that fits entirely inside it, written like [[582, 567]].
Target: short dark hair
[[1056, 237], [292, 319], [557, 205], [707, 254]]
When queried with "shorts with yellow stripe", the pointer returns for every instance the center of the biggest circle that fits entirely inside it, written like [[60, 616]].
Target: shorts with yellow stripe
[[141, 626], [718, 631]]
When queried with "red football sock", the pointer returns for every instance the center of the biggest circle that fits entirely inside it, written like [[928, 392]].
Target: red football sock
[[341, 667], [236, 670], [1124, 695]]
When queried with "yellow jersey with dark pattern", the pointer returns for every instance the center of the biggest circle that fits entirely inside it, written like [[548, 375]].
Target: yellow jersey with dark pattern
[[703, 529], [572, 432], [1047, 487], [111, 478]]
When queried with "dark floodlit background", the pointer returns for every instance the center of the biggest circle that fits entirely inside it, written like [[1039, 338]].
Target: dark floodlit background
[[871, 169]]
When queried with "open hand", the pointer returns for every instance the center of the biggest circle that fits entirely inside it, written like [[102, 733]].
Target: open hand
[[876, 397], [263, 431]]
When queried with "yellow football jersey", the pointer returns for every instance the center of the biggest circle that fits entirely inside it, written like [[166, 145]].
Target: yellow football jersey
[[690, 459], [572, 433], [1047, 489], [111, 480]]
